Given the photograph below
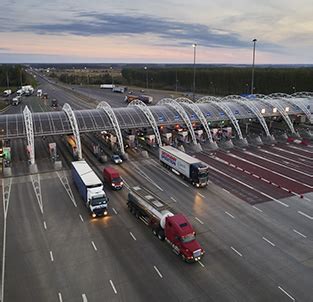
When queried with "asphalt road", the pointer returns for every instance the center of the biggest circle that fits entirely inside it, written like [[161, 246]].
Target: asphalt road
[[257, 237]]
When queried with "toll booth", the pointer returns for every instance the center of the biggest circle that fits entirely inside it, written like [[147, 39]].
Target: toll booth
[[130, 141], [183, 137], [6, 156], [199, 135], [53, 151], [150, 140]]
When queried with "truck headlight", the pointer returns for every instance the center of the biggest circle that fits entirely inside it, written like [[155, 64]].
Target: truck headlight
[[93, 215], [197, 185], [105, 212]]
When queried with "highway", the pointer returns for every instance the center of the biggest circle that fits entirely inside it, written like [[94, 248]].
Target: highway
[[257, 236]]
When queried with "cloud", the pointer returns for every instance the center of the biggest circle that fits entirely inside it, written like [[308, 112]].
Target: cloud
[[171, 32]]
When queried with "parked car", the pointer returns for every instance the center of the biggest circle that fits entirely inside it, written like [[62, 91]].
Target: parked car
[[116, 159]]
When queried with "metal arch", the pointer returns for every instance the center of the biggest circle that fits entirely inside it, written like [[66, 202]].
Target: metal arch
[[72, 118], [208, 99], [147, 112], [272, 102], [181, 111], [110, 113], [245, 102], [30, 133], [302, 94], [278, 95], [195, 108]]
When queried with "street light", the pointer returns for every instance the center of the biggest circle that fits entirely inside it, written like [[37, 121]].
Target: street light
[[194, 70], [253, 61], [147, 80], [111, 70]]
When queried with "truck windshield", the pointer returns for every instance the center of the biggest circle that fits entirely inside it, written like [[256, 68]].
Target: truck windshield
[[188, 238], [98, 201], [117, 179]]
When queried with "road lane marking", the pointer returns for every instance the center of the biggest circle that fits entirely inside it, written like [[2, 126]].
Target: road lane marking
[[6, 191], [144, 175], [60, 297], [287, 294], [305, 215], [45, 225], [173, 199], [113, 287], [230, 215], [51, 256], [282, 203], [84, 298], [199, 220], [114, 211], [236, 251], [125, 183], [94, 246], [201, 263], [226, 191], [201, 195], [268, 241], [158, 271], [67, 187], [131, 234], [257, 209], [299, 233], [81, 218]]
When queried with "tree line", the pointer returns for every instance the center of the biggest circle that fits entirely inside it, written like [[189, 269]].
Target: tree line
[[222, 80], [14, 76]]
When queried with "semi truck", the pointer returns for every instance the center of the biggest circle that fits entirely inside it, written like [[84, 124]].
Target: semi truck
[[7, 92], [119, 89], [144, 98], [107, 86], [191, 168], [15, 101], [160, 218], [90, 188]]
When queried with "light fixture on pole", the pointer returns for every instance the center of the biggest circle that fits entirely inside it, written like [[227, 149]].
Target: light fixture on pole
[[253, 62], [194, 70], [147, 80], [111, 70]]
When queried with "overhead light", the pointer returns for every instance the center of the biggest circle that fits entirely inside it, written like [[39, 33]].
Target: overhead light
[[287, 109], [263, 111], [274, 110]]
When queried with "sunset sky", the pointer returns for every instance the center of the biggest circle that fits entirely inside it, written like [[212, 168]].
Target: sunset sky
[[160, 31]]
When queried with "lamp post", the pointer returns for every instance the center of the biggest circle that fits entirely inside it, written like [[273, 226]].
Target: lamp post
[[111, 70], [194, 70], [253, 62], [147, 80]]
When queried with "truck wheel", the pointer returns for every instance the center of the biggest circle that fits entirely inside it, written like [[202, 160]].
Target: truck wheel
[[161, 236], [183, 257], [154, 232]]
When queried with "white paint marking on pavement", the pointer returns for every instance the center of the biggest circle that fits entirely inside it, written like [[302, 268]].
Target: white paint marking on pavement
[[144, 175], [113, 287], [201, 195], [35, 179], [51, 256], [282, 203], [84, 298], [94, 246], [67, 187], [125, 183], [114, 211], [60, 297], [270, 242], [236, 251], [226, 191], [81, 218], [45, 225], [230, 215], [305, 215], [257, 209], [158, 271], [287, 294], [131, 234], [199, 220], [173, 199], [201, 263], [299, 233]]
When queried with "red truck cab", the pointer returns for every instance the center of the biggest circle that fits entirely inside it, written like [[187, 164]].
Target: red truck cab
[[112, 178], [180, 234]]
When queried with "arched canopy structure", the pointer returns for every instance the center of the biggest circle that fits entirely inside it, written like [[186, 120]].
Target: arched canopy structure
[[108, 110], [72, 118], [145, 109], [30, 133], [181, 111], [195, 108]]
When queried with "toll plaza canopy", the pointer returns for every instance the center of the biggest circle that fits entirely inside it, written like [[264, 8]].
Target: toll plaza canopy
[[132, 117]]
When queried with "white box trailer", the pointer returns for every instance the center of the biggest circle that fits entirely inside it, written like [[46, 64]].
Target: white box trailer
[[189, 167], [107, 86]]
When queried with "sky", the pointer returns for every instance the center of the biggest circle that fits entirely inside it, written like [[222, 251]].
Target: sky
[[163, 31]]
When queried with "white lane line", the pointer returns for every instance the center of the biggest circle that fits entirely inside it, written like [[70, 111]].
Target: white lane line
[[113, 287], [156, 269], [305, 215], [173, 199], [45, 225], [131, 234], [125, 183], [226, 191], [270, 242], [282, 203], [144, 175], [94, 246], [257, 209], [84, 298], [51, 256], [6, 191], [199, 220], [81, 218], [230, 215], [287, 294], [201, 195], [60, 297], [236, 251], [114, 211], [299, 233], [201, 263]]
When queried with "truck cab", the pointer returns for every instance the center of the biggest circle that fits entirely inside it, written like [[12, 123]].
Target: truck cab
[[112, 178], [97, 201]]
